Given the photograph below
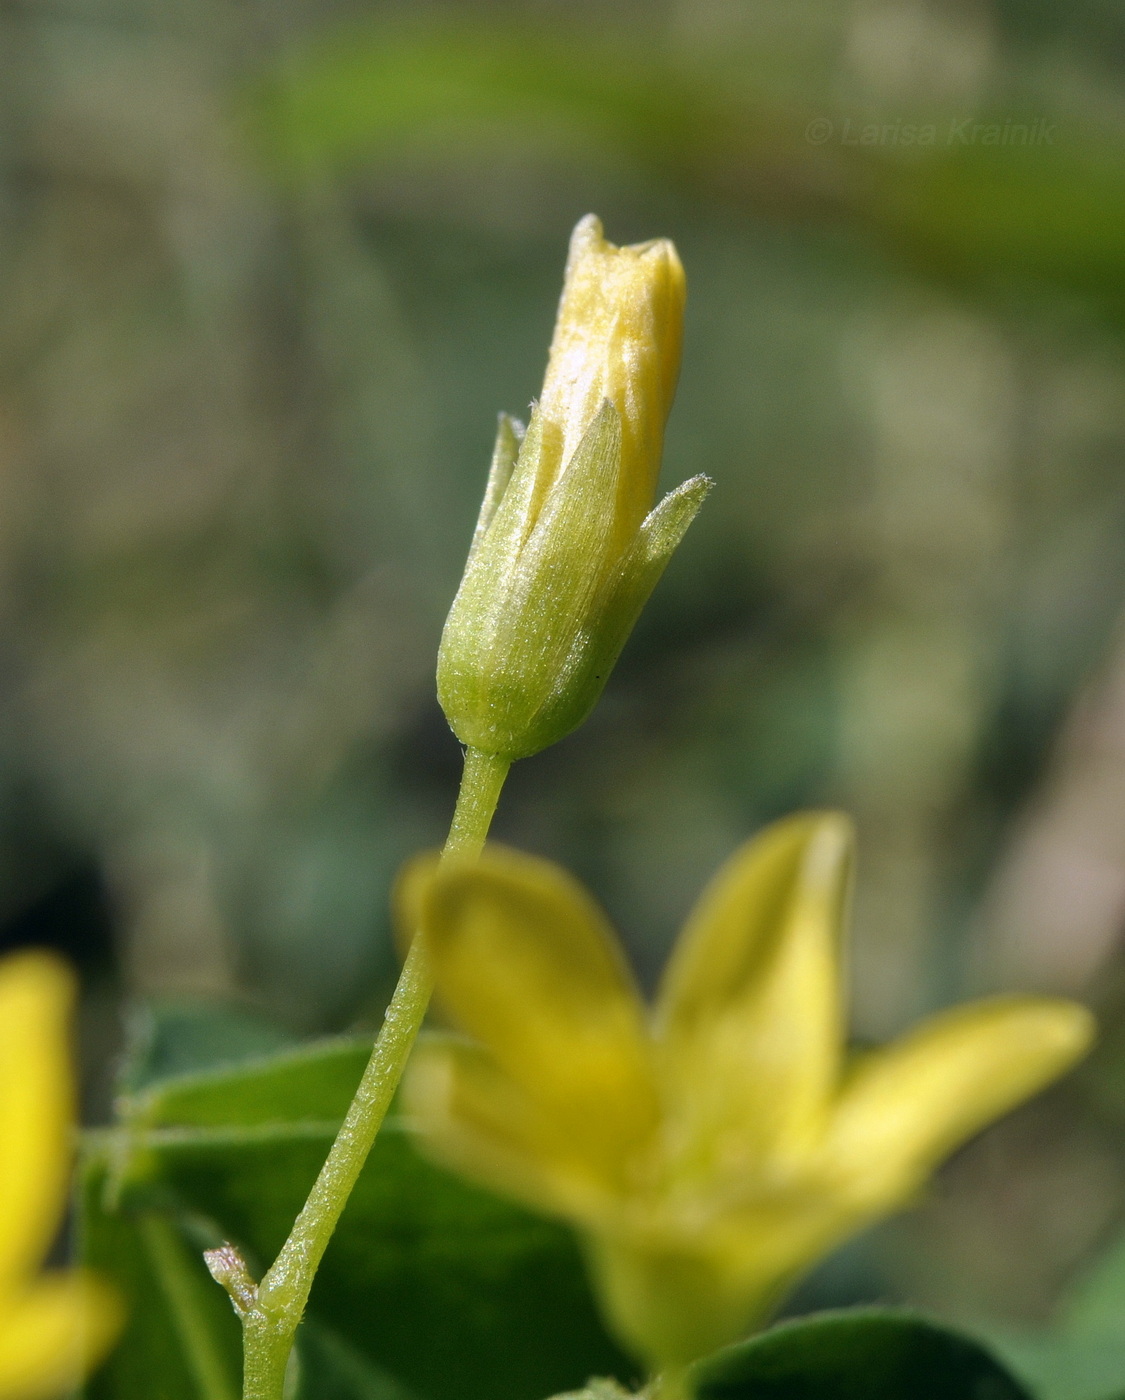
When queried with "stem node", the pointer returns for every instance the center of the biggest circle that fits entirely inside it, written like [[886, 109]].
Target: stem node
[[228, 1268]]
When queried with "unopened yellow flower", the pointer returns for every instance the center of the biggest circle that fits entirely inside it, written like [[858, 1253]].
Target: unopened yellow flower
[[710, 1149], [617, 340], [53, 1326], [568, 547]]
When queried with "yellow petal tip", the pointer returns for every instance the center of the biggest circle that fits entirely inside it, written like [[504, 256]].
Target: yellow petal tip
[[38, 974], [1067, 1027]]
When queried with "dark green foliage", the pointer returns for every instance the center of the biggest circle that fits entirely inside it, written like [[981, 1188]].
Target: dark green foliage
[[430, 1287], [865, 1354], [182, 1340]]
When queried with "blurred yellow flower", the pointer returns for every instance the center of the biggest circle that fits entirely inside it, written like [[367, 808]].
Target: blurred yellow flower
[[568, 546], [709, 1150], [53, 1326]]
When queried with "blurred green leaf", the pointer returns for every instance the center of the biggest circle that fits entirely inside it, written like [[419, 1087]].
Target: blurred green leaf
[[987, 217], [429, 1284], [177, 1037], [452, 87], [865, 1354], [1083, 1356], [311, 1084], [332, 1369], [1011, 217], [182, 1340]]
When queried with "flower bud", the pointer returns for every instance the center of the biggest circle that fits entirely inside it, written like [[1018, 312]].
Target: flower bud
[[567, 548]]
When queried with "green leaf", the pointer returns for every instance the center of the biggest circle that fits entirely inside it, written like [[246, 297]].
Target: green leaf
[[440, 1288], [1082, 1357], [310, 1085], [182, 1340], [175, 1037], [332, 1369], [861, 1354]]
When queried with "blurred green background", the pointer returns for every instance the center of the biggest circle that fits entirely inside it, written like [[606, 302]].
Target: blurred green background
[[267, 273]]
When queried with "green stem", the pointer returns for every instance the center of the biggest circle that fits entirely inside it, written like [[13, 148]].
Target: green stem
[[481, 782], [271, 1324], [266, 1348]]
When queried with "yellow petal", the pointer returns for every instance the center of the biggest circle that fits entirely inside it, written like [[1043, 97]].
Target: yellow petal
[[477, 1121], [617, 337], [672, 1301], [411, 884], [525, 963], [36, 1107], [668, 1306], [54, 1333], [749, 1011], [907, 1107], [735, 927]]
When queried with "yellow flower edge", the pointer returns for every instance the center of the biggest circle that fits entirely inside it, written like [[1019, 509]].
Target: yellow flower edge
[[53, 1326], [711, 1147]]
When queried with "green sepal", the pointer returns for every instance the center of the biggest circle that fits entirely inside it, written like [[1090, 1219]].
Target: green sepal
[[505, 453], [660, 535], [543, 613], [630, 588], [511, 677]]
